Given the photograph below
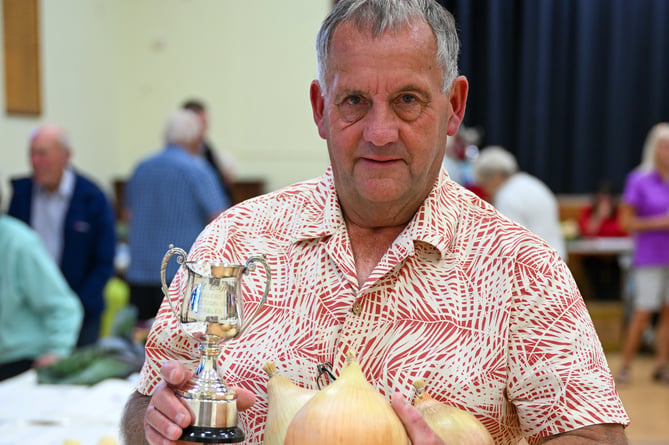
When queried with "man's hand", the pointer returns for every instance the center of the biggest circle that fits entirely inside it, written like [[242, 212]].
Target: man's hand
[[166, 415], [417, 428]]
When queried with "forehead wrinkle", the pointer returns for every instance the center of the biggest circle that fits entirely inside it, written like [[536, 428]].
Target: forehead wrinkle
[[346, 38]]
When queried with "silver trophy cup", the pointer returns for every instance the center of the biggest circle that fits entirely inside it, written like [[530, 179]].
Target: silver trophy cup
[[211, 311]]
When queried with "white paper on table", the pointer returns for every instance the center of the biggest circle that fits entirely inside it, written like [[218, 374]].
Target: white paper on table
[[49, 414]]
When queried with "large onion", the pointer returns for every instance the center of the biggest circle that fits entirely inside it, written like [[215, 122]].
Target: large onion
[[284, 400], [451, 424], [348, 411]]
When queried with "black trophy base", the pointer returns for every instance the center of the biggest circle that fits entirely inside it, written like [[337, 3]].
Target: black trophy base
[[212, 435]]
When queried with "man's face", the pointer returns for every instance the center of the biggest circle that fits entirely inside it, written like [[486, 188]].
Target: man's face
[[48, 160], [385, 117], [204, 118]]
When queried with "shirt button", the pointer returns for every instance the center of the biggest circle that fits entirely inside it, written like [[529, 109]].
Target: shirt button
[[357, 308]]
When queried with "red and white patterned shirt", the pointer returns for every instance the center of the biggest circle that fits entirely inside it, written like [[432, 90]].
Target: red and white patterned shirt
[[476, 305]]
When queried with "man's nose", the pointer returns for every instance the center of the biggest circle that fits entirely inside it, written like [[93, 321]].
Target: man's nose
[[381, 126]]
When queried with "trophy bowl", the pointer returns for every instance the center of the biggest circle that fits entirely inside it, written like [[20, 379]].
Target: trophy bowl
[[211, 311]]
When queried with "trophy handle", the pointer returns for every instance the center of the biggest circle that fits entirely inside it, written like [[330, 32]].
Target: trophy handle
[[181, 258], [250, 265]]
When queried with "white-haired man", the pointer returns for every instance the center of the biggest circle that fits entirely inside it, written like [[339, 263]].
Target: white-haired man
[[169, 199], [520, 196], [386, 256], [74, 219]]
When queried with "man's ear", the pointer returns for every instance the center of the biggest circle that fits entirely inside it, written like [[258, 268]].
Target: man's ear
[[458, 99], [318, 107]]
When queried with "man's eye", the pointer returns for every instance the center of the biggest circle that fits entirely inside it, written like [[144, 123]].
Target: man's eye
[[408, 107], [353, 108]]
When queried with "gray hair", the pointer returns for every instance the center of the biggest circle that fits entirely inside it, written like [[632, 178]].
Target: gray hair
[[494, 159], [56, 132], [379, 16], [182, 128]]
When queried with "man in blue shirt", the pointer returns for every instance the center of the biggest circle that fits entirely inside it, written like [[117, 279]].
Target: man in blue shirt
[[170, 198]]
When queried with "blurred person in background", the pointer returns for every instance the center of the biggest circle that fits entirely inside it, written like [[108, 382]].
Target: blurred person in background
[[169, 199], [461, 150], [74, 218], [519, 196], [644, 214], [40, 315], [601, 219], [458, 156], [222, 165]]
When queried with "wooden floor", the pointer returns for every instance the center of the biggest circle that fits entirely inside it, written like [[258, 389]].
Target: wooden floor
[[646, 402]]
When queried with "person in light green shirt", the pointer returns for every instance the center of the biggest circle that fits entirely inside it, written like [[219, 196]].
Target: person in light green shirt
[[40, 316]]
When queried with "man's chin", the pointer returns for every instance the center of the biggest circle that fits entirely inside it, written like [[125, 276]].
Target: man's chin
[[381, 197]]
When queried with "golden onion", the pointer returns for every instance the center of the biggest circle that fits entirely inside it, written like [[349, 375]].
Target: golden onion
[[451, 424], [348, 411], [107, 440], [284, 400]]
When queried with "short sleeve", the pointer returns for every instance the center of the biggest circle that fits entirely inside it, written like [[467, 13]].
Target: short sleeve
[[558, 376], [631, 192]]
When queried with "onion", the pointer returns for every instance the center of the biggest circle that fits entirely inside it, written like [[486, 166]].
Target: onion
[[348, 411], [451, 424], [284, 400]]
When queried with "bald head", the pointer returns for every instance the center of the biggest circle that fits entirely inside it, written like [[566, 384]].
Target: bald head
[[49, 155]]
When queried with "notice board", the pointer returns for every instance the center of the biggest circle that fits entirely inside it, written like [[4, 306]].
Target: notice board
[[21, 56]]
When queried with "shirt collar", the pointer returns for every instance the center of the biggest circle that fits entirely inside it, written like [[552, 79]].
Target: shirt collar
[[436, 220], [321, 215], [434, 223], [65, 188]]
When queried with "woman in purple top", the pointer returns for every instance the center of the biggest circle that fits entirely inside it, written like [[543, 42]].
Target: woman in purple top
[[644, 213]]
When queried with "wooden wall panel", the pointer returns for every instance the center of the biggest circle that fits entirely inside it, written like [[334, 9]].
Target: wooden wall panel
[[21, 56]]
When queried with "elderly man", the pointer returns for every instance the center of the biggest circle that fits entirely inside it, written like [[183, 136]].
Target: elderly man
[[386, 256], [170, 197], [219, 161], [73, 217], [520, 196]]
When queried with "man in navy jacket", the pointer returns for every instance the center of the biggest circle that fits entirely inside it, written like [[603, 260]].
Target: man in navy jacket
[[73, 217]]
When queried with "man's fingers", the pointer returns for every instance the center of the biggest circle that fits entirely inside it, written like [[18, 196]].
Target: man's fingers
[[159, 428], [417, 428], [407, 413], [166, 415], [167, 404], [245, 398], [175, 373]]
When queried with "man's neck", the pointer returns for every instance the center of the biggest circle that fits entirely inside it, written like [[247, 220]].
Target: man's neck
[[54, 188], [369, 245]]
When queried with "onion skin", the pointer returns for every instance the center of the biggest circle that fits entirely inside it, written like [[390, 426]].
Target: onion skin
[[284, 400], [451, 424], [348, 411]]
